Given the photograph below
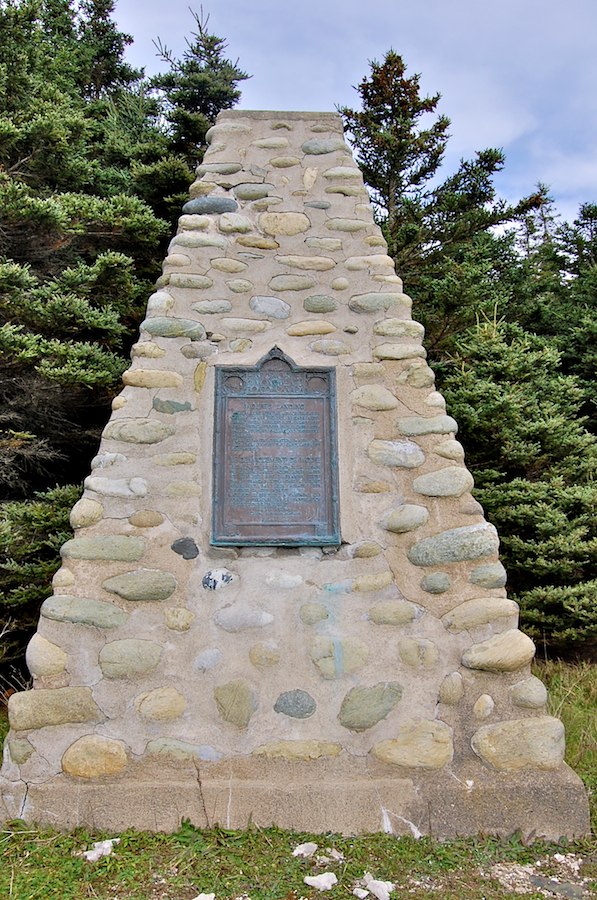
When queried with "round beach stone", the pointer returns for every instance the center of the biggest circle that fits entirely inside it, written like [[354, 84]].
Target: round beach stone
[[298, 751], [272, 307], [399, 328], [374, 261], [81, 611], [182, 489], [330, 348], [348, 225], [185, 547], [340, 284], [138, 431], [250, 326], [93, 756], [219, 168], [177, 458], [449, 450], [211, 307], [374, 396], [364, 707], [405, 518], [395, 612], [257, 242], [194, 222], [418, 375], [207, 659], [492, 575], [419, 744], [322, 243], [312, 613], [291, 283], [160, 301], [312, 326], [481, 611], [416, 425], [288, 223], [376, 582], [452, 689], [86, 512], [365, 550], [231, 222], [285, 162], [375, 302], [113, 546], [142, 585], [235, 619], [59, 706], [319, 303], [44, 658], [455, 545], [483, 707], [148, 350], [319, 146], [178, 618], [20, 751], [250, 191], [508, 746], [295, 704], [182, 750], [309, 263], [197, 351], [241, 345], [342, 172], [436, 583], [230, 266], [418, 652], [265, 654], [170, 407], [505, 652], [236, 702], [161, 703], [197, 241], [63, 578], [116, 487], [147, 518], [130, 657], [335, 658], [451, 481], [216, 579], [173, 328], [190, 282], [240, 285], [404, 454], [529, 694], [398, 351], [201, 188]]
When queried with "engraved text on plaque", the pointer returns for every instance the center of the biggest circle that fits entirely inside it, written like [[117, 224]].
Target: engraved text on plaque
[[275, 458]]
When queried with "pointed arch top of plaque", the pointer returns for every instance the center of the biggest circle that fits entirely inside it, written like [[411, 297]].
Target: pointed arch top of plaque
[[275, 455]]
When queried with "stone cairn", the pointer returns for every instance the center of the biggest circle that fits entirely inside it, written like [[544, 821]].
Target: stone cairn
[[379, 684]]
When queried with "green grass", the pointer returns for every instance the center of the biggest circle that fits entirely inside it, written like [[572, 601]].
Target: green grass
[[42, 864]]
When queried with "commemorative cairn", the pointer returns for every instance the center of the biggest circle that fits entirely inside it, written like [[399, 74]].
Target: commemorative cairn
[[282, 603]]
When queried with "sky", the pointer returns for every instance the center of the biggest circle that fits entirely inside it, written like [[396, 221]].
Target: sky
[[515, 74]]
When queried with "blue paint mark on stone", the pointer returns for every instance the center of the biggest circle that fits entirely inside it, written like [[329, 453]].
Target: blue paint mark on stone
[[185, 547], [339, 586], [206, 205], [297, 704], [215, 579]]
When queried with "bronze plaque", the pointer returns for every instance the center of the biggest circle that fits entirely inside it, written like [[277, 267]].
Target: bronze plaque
[[275, 455]]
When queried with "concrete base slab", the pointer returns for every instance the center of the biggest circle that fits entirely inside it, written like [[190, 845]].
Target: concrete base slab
[[350, 795]]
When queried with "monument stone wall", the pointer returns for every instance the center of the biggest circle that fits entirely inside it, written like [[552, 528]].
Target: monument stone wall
[[281, 602]]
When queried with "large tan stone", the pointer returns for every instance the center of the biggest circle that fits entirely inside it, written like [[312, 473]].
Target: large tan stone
[[419, 744], [480, 611], [284, 223], [374, 396], [418, 652], [335, 658], [161, 703], [316, 326], [151, 378], [505, 652], [298, 750], [376, 582], [61, 706], [512, 745], [308, 263], [86, 512], [44, 658], [130, 657], [236, 702], [93, 756]]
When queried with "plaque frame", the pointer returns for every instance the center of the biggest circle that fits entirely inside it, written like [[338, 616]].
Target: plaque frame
[[312, 391]]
